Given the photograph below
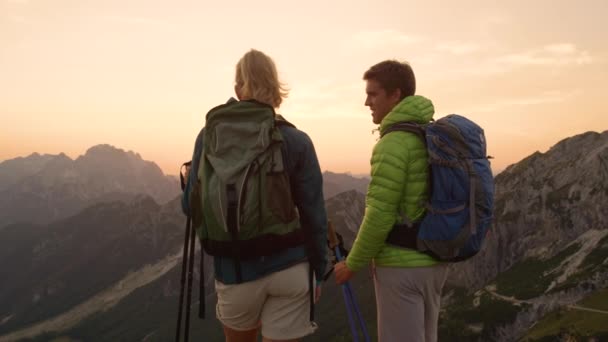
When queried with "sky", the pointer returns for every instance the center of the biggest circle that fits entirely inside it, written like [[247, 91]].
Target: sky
[[141, 74]]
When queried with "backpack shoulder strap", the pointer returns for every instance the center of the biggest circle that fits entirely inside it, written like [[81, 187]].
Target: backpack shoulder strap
[[406, 126], [281, 121]]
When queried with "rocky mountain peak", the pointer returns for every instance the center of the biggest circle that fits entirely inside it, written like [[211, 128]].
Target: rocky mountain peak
[[345, 210], [543, 203], [61, 186], [109, 151], [14, 170], [336, 183]]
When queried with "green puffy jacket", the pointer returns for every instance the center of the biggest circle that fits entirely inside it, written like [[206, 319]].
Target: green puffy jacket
[[399, 185]]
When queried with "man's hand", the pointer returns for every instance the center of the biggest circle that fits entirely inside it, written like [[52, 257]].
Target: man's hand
[[343, 274], [317, 293]]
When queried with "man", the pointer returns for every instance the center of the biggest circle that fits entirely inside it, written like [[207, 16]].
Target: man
[[408, 283]]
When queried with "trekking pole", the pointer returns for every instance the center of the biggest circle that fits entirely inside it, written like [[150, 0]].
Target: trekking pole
[[183, 277], [190, 276], [201, 288], [347, 291], [186, 256], [335, 246]]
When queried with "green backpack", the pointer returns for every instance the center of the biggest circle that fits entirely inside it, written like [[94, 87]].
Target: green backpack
[[242, 204]]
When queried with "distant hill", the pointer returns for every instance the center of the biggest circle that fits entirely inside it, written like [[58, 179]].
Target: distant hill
[[43, 188], [335, 183], [14, 170], [48, 270], [120, 273]]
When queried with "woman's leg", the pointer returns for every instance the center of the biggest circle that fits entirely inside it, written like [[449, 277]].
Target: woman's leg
[[240, 336], [238, 309]]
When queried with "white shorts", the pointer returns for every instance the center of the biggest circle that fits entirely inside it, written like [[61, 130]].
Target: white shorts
[[279, 302]]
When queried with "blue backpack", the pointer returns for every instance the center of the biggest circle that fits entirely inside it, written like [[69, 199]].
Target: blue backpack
[[459, 213]]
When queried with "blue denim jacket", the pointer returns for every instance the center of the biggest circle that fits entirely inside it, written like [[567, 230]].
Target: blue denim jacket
[[307, 189]]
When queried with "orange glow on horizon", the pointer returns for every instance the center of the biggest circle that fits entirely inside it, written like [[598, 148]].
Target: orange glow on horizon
[[141, 76]]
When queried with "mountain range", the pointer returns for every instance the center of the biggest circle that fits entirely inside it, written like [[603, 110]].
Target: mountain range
[[43, 188], [108, 270]]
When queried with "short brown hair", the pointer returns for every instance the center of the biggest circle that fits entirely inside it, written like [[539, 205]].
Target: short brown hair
[[393, 75]]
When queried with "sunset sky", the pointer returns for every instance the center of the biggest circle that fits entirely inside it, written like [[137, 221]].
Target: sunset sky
[[141, 75]]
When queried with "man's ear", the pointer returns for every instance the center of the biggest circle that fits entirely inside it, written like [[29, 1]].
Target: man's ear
[[395, 96]]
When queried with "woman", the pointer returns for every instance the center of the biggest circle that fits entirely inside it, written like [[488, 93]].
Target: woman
[[262, 214]]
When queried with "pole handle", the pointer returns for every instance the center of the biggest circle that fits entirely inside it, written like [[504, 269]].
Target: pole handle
[[331, 236]]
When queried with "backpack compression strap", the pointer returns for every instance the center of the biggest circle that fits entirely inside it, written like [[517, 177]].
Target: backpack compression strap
[[260, 246], [231, 220]]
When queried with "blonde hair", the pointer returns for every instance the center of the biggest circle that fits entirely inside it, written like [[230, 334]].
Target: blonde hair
[[257, 79]]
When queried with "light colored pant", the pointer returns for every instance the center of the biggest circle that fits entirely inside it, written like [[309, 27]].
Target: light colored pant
[[408, 302], [279, 302]]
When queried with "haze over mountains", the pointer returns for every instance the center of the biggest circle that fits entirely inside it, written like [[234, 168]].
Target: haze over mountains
[[42, 188], [91, 249]]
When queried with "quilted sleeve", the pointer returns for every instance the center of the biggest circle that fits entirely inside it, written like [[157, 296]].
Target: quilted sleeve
[[389, 167]]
